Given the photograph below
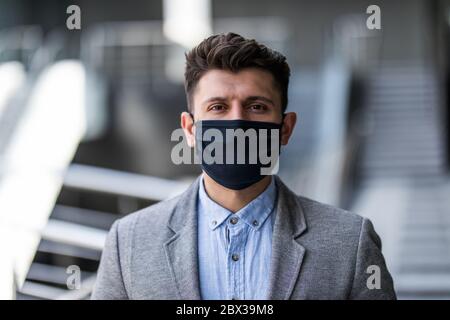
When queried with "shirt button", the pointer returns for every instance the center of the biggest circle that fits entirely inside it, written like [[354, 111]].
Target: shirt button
[[255, 223], [214, 222], [234, 220], [235, 257]]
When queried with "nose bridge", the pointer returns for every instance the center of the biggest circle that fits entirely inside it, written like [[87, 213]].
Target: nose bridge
[[237, 110]]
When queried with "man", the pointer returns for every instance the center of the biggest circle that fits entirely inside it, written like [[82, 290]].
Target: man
[[237, 233]]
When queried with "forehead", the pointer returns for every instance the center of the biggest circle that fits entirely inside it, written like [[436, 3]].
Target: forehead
[[246, 82]]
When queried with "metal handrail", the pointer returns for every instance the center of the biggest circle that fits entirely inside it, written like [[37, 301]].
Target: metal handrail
[[122, 183]]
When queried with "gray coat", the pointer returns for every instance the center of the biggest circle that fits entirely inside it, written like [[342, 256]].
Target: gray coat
[[318, 252]]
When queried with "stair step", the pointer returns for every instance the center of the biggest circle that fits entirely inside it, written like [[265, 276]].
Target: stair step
[[42, 291], [56, 248], [86, 217], [74, 234], [50, 273], [423, 284]]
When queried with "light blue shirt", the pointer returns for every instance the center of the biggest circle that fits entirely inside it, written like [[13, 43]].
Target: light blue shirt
[[234, 249]]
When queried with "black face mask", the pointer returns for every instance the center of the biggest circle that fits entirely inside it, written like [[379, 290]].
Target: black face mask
[[237, 175]]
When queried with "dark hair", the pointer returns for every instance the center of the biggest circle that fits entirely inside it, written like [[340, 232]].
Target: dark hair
[[233, 52]]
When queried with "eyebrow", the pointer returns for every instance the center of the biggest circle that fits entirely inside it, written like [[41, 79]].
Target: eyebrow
[[255, 98], [251, 98], [214, 99]]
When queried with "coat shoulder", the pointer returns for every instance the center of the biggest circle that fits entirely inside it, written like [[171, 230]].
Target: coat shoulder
[[319, 210], [330, 222], [149, 220]]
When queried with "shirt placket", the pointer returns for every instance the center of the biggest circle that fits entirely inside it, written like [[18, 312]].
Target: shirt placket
[[237, 234]]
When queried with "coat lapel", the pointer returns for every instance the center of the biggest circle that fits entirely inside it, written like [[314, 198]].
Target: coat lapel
[[287, 252], [182, 248]]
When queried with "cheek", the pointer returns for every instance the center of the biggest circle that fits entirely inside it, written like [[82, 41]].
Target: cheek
[[273, 115]]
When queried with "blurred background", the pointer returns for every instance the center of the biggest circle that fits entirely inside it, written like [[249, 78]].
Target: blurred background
[[86, 117]]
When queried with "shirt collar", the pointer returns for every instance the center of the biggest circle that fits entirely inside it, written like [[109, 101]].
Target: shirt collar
[[255, 213]]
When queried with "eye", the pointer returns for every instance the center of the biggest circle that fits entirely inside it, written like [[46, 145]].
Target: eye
[[258, 107], [216, 107]]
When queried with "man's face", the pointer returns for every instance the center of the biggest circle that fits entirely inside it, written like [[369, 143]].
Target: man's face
[[249, 94]]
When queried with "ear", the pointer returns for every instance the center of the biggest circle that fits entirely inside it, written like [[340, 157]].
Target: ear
[[187, 123], [290, 119]]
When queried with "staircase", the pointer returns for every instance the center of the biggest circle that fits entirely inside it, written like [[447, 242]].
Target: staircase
[[404, 121], [91, 200], [404, 180]]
